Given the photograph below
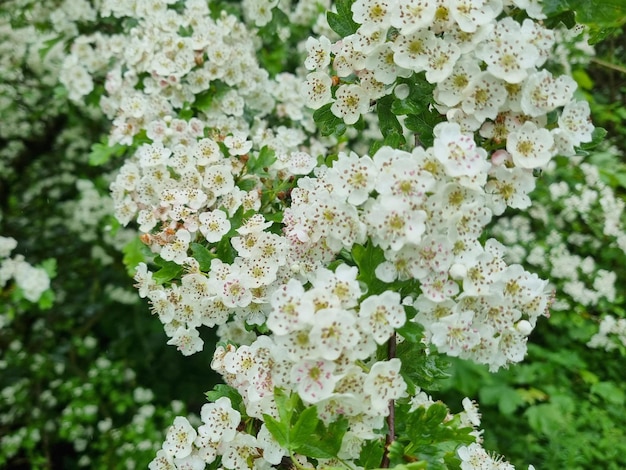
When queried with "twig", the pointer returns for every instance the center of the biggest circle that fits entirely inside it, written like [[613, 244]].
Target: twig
[[609, 65]]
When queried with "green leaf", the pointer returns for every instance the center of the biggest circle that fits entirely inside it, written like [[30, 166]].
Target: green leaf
[[371, 453], [423, 125], [169, 270], [412, 332], [46, 300], [547, 419], [342, 22], [435, 414], [50, 267], [48, 45], [610, 392], [286, 404], [603, 13], [367, 258], [387, 120], [327, 122], [101, 153], [223, 390], [259, 164], [133, 255], [335, 432], [326, 442], [278, 430], [304, 427], [597, 137], [203, 256], [204, 100]]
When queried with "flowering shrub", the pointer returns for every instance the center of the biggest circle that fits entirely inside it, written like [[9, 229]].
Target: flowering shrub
[[245, 226], [320, 188]]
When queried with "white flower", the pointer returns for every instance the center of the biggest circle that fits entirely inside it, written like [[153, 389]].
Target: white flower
[[237, 143], [384, 314], [152, 155], [334, 332], [411, 15], [352, 177], [315, 379], [301, 163], [218, 179], [372, 14], [220, 420], [455, 334], [508, 54], [542, 93], [317, 89], [509, 187], [33, 281], [176, 250], [412, 51], [392, 223], [187, 340], [214, 225], [179, 440], [458, 152], [530, 146], [484, 97], [384, 383], [206, 151], [471, 14], [576, 121], [162, 461], [290, 310], [441, 59], [350, 102], [318, 53]]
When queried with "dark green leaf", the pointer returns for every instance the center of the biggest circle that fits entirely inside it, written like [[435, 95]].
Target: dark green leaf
[[387, 120], [371, 453], [597, 136], [423, 125], [342, 22], [223, 390], [327, 122], [203, 256], [48, 45], [169, 270], [412, 332]]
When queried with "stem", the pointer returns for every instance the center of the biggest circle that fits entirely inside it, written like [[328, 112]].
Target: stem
[[391, 418], [609, 65]]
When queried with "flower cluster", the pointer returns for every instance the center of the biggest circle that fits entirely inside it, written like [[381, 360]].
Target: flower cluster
[[611, 334], [255, 234], [487, 76], [33, 281]]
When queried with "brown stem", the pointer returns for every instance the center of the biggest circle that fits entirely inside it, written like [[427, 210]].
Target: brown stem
[[609, 65], [391, 418]]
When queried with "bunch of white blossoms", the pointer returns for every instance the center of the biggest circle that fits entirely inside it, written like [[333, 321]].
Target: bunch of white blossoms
[[428, 224], [248, 224], [174, 57], [486, 73], [31, 280]]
